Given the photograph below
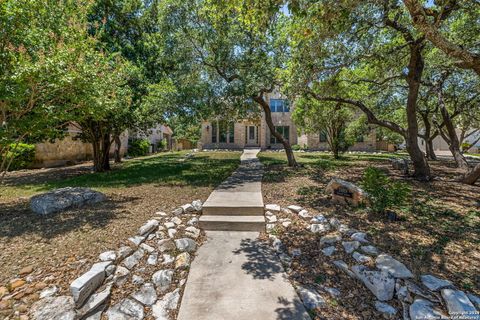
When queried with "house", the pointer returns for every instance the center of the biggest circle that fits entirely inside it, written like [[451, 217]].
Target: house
[[157, 135], [69, 150], [222, 134], [441, 146]]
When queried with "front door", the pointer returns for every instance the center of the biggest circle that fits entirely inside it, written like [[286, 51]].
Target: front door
[[252, 135]]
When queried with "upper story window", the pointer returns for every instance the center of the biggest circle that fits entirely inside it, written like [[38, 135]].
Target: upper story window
[[279, 105]]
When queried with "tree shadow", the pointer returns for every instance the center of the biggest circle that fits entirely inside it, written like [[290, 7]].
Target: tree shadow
[[291, 310], [17, 220], [262, 262]]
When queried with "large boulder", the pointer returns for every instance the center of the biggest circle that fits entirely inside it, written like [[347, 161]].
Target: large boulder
[[63, 199], [345, 192]]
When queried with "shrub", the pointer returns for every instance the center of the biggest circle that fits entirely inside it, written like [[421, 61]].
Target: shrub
[[383, 193], [296, 147], [23, 156], [466, 146], [138, 147], [162, 145]]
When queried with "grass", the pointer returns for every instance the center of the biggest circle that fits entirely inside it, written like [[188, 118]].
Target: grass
[[325, 160], [174, 169]]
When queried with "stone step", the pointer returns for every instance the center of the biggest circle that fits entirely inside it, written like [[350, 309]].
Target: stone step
[[232, 223], [245, 210]]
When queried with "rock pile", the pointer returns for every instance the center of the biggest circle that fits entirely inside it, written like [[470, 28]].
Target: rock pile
[[391, 283], [143, 279]]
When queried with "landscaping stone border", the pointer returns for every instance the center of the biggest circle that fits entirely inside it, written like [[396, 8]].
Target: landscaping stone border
[[424, 297], [139, 280]]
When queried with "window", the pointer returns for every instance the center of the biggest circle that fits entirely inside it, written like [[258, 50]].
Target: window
[[222, 132], [214, 132], [284, 131], [323, 136], [279, 105]]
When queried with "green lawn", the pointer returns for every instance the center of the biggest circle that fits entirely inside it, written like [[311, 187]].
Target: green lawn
[[325, 160], [204, 169]]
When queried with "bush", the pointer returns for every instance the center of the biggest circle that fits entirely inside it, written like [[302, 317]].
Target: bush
[[162, 145], [23, 156], [383, 193], [138, 147], [466, 146], [297, 147]]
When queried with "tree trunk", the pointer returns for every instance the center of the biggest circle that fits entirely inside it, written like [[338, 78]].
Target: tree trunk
[[429, 149], [118, 145], [452, 138], [472, 176], [415, 70], [105, 158], [97, 156], [268, 119]]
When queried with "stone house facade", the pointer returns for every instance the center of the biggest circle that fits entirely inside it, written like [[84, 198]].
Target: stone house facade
[[221, 134]]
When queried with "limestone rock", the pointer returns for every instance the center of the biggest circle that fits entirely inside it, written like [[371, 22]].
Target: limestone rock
[[48, 292], [272, 207], [137, 280], [328, 251], [387, 311], [474, 299], [319, 219], [345, 192], [361, 258], [83, 286], [50, 308], [369, 250], [167, 259], [177, 211], [458, 303], [342, 265], [330, 238], [311, 298], [146, 295], [152, 258], [334, 222], [192, 232], [169, 225], [166, 245], [147, 248], [137, 240], [182, 261], [193, 221], [64, 198], [124, 252], [304, 214], [272, 219], [95, 301], [171, 233], [359, 236], [120, 276], [433, 283], [108, 256], [197, 205], [424, 309], [148, 227], [319, 228], [350, 246], [186, 244], [392, 266], [295, 208], [380, 283], [127, 309], [162, 279], [176, 220], [134, 259], [188, 208], [168, 302]]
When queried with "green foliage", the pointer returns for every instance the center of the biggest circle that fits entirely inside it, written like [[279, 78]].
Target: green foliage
[[297, 147], [138, 147], [21, 156], [383, 193], [162, 144]]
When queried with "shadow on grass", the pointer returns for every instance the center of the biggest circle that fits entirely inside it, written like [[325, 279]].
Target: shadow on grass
[[165, 169], [16, 219]]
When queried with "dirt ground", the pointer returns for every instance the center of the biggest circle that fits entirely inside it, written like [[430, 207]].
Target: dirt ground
[[439, 232]]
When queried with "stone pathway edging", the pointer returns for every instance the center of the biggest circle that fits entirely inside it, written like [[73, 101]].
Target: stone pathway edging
[[431, 297], [142, 279]]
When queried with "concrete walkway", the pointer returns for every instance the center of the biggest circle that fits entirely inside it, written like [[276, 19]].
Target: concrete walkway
[[235, 276]]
